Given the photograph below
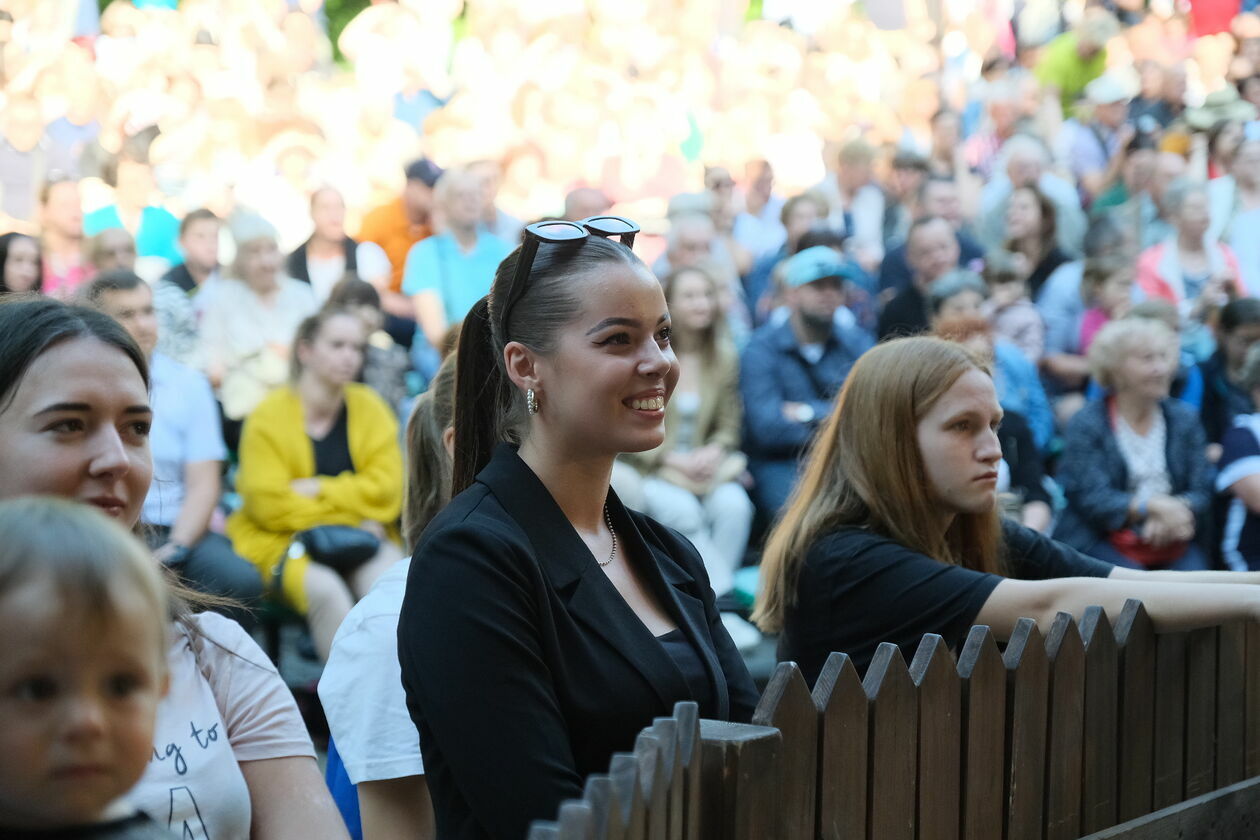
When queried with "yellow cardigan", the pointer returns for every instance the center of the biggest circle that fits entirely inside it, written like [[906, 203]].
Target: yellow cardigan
[[275, 450]]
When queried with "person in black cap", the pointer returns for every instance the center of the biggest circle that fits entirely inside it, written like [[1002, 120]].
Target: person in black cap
[[398, 225]]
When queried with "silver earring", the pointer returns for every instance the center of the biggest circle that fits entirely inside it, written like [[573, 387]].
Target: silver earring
[[531, 402]]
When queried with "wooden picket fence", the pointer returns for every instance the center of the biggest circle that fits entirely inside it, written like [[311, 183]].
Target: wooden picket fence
[[1111, 731]]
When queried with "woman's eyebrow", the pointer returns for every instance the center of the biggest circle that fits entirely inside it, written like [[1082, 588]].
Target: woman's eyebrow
[[623, 322], [81, 406]]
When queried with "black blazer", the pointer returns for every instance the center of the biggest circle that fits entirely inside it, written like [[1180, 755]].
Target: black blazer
[[525, 669], [299, 269]]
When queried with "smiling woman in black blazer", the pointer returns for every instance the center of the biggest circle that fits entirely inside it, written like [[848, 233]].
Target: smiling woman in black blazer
[[544, 623]]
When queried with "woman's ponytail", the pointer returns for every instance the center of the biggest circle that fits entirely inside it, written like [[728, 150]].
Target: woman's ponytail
[[480, 397]]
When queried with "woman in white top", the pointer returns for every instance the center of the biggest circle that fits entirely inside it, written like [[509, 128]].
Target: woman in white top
[[361, 688], [231, 756], [248, 326]]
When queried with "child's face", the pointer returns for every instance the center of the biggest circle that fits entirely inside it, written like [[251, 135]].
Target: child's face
[[78, 701], [1115, 296]]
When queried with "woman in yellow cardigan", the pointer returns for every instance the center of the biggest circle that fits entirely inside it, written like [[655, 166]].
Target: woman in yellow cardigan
[[691, 482], [321, 451]]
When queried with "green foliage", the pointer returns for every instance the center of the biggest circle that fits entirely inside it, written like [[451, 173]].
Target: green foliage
[[339, 13]]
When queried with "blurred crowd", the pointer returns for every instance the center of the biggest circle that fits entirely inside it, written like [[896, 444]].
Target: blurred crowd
[[1071, 190]]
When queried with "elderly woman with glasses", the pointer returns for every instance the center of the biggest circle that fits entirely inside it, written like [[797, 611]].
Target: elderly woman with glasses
[[544, 623]]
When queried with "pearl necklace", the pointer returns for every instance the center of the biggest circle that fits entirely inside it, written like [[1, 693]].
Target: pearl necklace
[[613, 554]]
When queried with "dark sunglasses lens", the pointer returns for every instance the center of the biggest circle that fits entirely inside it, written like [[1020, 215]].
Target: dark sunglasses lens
[[611, 225], [557, 231]]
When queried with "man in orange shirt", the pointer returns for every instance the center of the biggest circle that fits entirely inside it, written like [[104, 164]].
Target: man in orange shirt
[[398, 225]]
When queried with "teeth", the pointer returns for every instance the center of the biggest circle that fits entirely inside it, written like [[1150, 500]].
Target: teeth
[[654, 404]]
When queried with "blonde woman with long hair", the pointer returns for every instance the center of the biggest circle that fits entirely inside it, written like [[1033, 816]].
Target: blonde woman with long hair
[[894, 531]]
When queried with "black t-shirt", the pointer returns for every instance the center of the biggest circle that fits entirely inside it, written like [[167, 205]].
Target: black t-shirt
[[858, 588], [332, 451], [135, 827]]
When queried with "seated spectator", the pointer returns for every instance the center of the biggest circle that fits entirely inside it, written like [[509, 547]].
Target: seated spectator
[[759, 226], [1107, 287], [1187, 384], [959, 318], [1074, 59], [361, 687], [1010, 308], [1027, 165], [1196, 274], [398, 225], [1001, 121], [932, 251], [1224, 396], [790, 372], [1092, 144], [324, 258], [1145, 216], [248, 326], [186, 442], [1132, 176], [856, 203], [385, 364], [1030, 234], [153, 228], [111, 250], [1062, 307], [61, 232], [599, 611], [939, 197], [494, 220], [448, 272], [691, 481], [1133, 469], [82, 608], [186, 289], [800, 214], [1235, 212], [902, 196], [1238, 476], [21, 264], [895, 527], [321, 451], [861, 298], [86, 366]]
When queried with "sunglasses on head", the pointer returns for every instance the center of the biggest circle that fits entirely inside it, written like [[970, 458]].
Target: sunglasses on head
[[559, 232]]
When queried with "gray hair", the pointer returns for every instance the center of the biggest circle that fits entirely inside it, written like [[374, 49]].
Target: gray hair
[[953, 283], [1117, 339], [1179, 190]]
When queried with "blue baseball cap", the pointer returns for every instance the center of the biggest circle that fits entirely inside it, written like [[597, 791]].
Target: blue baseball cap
[[814, 264]]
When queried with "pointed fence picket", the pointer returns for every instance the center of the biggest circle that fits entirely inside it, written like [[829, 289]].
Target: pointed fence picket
[[1101, 728]]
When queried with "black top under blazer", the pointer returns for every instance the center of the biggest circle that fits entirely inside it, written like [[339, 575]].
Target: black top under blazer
[[525, 669]]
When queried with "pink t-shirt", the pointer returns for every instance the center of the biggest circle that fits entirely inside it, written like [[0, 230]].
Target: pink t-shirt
[[227, 704], [1091, 322]]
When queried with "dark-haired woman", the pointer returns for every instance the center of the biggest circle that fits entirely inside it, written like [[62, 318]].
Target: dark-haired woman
[[21, 264], [544, 623], [74, 420], [1031, 232], [321, 451], [894, 530]]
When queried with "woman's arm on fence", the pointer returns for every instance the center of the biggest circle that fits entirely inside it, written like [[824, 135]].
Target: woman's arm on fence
[[1170, 576], [1183, 607]]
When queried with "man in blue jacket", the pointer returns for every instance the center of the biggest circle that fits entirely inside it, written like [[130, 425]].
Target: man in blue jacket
[[791, 372]]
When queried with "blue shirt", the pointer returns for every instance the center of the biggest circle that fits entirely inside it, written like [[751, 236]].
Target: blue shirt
[[1019, 389], [157, 237], [774, 371], [186, 430], [437, 264]]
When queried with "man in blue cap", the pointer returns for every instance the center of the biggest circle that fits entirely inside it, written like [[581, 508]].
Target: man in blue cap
[[792, 370]]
